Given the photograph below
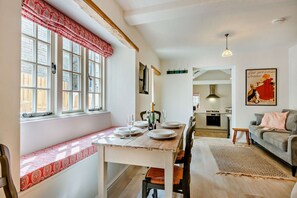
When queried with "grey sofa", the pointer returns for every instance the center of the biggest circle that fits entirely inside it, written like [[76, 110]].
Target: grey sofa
[[282, 144]]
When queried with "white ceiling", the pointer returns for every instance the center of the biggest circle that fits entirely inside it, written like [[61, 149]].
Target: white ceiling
[[187, 28]]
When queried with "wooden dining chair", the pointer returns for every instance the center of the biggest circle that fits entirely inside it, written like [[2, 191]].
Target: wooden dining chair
[[158, 118], [154, 178], [181, 154], [6, 181]]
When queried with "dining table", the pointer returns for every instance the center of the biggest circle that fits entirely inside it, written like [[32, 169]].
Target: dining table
[[139, 150]]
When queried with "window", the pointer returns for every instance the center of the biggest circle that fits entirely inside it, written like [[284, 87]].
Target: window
[[43, 92], [35, 69], [72, 73], [95, 81]]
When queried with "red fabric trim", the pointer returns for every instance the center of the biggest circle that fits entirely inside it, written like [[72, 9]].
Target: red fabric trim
[[42, 164], [46, 15]]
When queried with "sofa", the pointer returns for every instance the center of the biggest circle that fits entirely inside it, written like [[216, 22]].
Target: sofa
[[282, 143]]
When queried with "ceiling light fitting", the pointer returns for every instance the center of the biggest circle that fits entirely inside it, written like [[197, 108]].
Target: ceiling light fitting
[[226, 52], [279, 20]]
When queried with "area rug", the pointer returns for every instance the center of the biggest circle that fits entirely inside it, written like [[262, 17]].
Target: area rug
[[243, 161]]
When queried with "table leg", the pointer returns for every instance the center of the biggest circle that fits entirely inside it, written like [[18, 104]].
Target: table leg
[[234, 136], [169, 163], [247, 134], [102, 173]]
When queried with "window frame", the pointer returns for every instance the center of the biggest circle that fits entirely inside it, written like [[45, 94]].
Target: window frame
[[50, 85], [82, 79], [55, 81], [101, 82]]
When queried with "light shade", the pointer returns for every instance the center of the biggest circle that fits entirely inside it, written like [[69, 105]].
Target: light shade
[[226, 53]]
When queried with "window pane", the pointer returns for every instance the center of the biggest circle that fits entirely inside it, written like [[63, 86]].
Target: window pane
[[97, 85], [67, 81], [27, 74], [76, 63], [28, 27], [97, 101], [66, 44], [91, 84], [91, 101], [43, 34], [97, 58], [76, 101], [67, 61], [91, 55], [27, 100], [43, 77], [28, 49], [43, 53], [76, 82], [66, 101], [76, 48], [42, 100], [91, 68], [97, 70]]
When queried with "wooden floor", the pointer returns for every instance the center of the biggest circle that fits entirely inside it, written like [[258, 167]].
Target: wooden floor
[[210, 133], [204, 181]]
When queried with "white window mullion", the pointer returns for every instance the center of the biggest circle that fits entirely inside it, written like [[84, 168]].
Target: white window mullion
[[59, 75]]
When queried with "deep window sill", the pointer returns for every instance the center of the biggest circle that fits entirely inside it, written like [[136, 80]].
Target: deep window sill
[[63, 116]]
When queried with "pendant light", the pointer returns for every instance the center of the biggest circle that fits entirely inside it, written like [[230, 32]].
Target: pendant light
[[226, 52]]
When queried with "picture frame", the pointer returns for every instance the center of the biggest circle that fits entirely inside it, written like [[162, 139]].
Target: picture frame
[[261, 87], [143, 79]]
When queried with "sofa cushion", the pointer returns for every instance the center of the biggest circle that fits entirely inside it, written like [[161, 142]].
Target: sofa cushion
[[291, 123], [274, 120], [257, 131], [280, 140], [259, 117]]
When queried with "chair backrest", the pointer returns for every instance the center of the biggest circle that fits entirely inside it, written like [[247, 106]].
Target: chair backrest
[[158, 113], [192, 120], [6, 181], [188, 156]]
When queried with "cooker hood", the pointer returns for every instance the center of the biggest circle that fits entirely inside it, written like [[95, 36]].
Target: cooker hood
[[212, 92]]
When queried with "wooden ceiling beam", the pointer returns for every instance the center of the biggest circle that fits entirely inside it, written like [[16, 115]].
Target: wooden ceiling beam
[[106, 22], [156, 71]]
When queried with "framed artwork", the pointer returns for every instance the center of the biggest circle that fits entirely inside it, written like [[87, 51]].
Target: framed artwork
[[143, 79], [261, 87]]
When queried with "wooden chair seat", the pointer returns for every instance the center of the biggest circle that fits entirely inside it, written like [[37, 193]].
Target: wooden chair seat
[[156, 175], [180, 155]]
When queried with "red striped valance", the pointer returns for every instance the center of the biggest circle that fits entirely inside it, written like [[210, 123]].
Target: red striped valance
[[46, 15]]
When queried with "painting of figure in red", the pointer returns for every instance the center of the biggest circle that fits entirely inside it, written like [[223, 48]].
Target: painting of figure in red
[[261, 86]]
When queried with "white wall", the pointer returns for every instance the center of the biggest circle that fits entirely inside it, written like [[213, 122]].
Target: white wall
[[10, 42], [121, 85], [177, 88], [293, 77], [36, 135], [145, 55]]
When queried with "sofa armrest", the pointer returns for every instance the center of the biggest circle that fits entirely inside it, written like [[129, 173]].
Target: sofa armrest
[[292, 149], [253, 122]]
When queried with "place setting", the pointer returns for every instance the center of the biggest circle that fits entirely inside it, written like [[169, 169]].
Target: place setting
[[133, 128]]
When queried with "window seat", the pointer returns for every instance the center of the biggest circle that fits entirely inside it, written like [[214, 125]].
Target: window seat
[[42, 164]]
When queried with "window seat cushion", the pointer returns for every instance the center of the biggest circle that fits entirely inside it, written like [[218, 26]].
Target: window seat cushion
[[42, 164]]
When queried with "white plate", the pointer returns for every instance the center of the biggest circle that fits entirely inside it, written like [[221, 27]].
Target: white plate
[[161, 137], [141, 123], [125, 130], [162, 132], [172, 123], [170, 126]]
